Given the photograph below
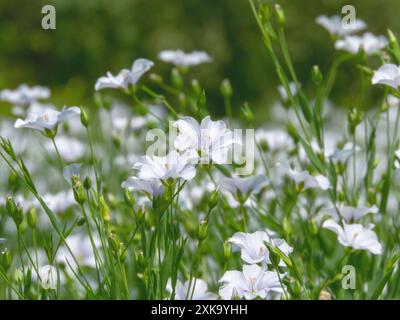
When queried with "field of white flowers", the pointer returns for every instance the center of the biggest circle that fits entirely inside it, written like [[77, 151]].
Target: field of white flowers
[[305, 206]]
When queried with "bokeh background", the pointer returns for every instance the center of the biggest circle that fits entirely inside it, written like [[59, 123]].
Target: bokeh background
[[94, 36]]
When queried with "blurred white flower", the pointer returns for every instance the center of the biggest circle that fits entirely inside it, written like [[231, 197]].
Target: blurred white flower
[[152, 187], [212, 139], [198, 290], [335, 26], [350, 213], [253, 248], [304, 180], [71, 149], [82, 249], [274, 139], [283, 93], [367, 42], [125, 77], [388, 74], [48, 277], [242, 188], [48, 119], [355, 236], [59, 202], [182, 59], [24, 95], [2, 240], [173, 165], [343, 155], [254, 282]]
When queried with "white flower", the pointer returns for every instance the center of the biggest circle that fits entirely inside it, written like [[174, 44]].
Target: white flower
[[173, 165], [243, 187], [48, 277], [253, 248], [2, 240], [350, 213], [389, 75], [283, 93], [355, 236], [152, 187], [182, 59], [368, 42], [82, 249], [306, 181], [125, 77], [343, 155], [70, 149], [336, 27], [48, 119], [253, 282], [274, 139], [212, 139], [24, 95], [198, 290], [60, 201]]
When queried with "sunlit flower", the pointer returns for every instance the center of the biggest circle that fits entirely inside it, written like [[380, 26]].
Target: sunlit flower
[[242, 188], [48, 119], [350, 213], [173, 165], [335, 26], [212, 139], [389, 75], [367, 42], [125, 77], [253, 246], [182, 59], [254, 282], [198, 290], [24, 95], [355, 236]]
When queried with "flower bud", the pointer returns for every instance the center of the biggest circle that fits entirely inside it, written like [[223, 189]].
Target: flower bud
[[247, 114], [77, 188], [10, 205], [32, 218], [81, 222], [84, 118], [214, 198], [226, 88], [176, 78], [202, 230], [105, 210], [129, 198], [116, 139], [316, 75], [87, 183], [280, 15], [227, 250], [156, 78], [196, 87], [5, 259]]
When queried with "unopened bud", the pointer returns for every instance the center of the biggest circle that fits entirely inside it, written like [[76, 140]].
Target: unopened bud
[[84, 118], [317, 76], [87, 183], [5, 259], [227, 250], [214, 198], [226, 88], [105, 210], [280, 15], [32, 218], [202, 230], [176, 78]]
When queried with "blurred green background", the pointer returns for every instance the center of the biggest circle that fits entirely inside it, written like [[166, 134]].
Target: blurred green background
[[94, 36]]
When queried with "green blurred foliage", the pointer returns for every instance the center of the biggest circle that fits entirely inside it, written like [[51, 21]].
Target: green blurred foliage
[[95, 36]]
